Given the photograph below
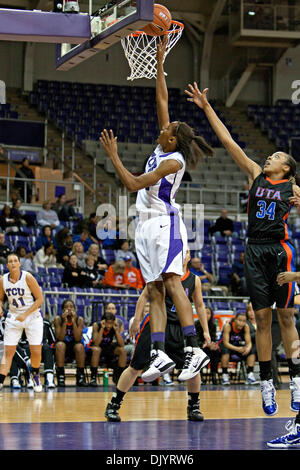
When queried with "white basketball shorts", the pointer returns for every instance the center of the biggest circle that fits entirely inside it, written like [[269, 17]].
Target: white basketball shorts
[[33, 326], [161, 245]]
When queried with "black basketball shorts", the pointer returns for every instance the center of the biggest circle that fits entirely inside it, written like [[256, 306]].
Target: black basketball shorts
[[263, 263]]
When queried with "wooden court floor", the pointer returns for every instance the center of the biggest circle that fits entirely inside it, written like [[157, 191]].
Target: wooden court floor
[[152, 418]]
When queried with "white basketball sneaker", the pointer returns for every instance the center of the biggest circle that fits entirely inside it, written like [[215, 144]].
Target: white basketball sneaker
[[49, 382], [195, 360], [295, 394], [160, 364], [15, 384]]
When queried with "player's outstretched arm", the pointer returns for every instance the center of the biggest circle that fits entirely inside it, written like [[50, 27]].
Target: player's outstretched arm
[[131, 182], [162, 99], [248, 166]]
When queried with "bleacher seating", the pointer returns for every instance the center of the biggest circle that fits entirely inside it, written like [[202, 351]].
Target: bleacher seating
[[83, 110], [279, 122]]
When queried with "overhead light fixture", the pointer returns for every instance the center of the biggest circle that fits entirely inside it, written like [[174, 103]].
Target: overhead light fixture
[[251, 13]]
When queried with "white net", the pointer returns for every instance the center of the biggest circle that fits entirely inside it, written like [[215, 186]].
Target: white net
[[140, 51]]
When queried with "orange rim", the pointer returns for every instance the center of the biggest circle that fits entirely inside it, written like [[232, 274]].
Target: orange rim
[[173, 31]]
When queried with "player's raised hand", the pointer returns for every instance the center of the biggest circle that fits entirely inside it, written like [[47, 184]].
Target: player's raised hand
[[161, 48], [195, 95], [109, 143]]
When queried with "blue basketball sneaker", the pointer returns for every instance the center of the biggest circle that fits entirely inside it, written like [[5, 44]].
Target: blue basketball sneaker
[[268, 392], [289, 440], [295, 394]]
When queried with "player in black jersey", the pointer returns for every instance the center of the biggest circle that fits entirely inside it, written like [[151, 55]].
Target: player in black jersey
[[174, 346], [269, 250], [68, 333]]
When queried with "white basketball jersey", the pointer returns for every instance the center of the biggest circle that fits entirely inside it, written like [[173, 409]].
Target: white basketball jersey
[[160, 198], [19, 296]]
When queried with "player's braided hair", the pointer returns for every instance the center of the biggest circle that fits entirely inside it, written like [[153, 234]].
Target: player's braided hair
[[192, 147]]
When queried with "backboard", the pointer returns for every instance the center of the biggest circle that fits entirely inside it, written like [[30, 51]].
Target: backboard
[[109, 24]]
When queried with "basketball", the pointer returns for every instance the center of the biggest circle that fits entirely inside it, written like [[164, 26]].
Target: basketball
[[161, 21]]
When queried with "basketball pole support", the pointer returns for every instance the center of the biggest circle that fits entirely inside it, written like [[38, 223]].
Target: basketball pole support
[[240, 85], [208, 43]]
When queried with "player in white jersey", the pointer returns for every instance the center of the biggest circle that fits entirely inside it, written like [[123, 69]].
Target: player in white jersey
[[161, 237], [24, 297]]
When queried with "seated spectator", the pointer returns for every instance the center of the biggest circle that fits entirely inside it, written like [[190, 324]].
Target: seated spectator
[[45, 237], [68, 334], [92, 227], [114, 276], [46, 216], [212, 349], [236, 345], [64, 211], [8, 223], [132, 275], [64, 247], [26, 260], [73, 275], [20, 216], [107, 232], [238, 280], [206, 278], [92, 273], [61, 236], [78, 251], [84, 239], [4, 249], [89, 224], [102, 265], [110, 307], [45, 257], [125, 252], [223, 226], [110, 342]]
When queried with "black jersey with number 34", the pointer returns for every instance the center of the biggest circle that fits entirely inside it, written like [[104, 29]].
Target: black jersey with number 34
[[269, 208]]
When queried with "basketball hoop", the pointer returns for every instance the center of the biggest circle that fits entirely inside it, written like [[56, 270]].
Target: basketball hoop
[[140, 50]]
